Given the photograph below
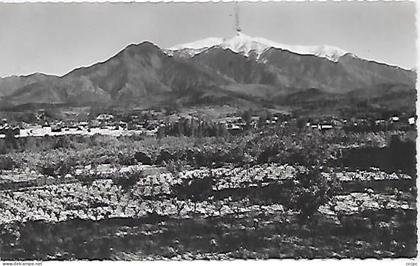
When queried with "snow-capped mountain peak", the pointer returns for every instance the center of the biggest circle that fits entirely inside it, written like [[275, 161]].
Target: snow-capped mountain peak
[[244, 44]]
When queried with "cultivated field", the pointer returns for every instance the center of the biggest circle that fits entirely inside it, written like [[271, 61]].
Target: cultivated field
[[255, 195]]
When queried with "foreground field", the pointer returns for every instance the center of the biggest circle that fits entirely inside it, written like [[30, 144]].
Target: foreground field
[[244, 215], [277, 236], [261, 195]]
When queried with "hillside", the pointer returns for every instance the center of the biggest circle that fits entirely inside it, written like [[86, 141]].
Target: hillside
[[10, 84]]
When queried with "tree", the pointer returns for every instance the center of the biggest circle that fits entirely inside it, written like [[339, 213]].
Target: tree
[[10, 139], [301, 123], [310, 190], [403, 155], [246, 116]]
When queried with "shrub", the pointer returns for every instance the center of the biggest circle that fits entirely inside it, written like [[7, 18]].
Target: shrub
[[6, 163], [126, 158], [65, 167], [143, 158], [198, 189], [164, 156], [47, 168], [403, 155], [310, 190], [87, 178], [127, 179], [62, 142], [175, 167]]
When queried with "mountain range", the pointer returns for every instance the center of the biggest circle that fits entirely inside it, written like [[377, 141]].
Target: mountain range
[[241, 70]]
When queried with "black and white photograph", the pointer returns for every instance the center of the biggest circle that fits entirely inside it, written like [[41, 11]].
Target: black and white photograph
[[208, 131]]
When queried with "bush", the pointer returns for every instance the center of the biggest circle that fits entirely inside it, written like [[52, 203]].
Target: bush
[[164, 156], [175, 167], [310, 190], [127, 179], [6, 163], [143, 158], [403, 155], [61, 168], [86, 178], [125, 158], [198, 189], [47, 168], [62, 142]]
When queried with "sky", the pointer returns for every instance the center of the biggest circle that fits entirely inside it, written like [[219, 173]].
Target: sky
[[54, 38]]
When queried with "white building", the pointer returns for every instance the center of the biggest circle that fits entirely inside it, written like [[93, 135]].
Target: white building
[[412, 121]]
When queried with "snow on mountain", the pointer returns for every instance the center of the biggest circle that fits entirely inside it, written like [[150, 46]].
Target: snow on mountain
[[204, 43], [193, 48], [244, 44]]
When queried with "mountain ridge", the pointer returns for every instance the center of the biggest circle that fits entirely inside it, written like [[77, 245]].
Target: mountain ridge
[[145, 74], [244, 44]]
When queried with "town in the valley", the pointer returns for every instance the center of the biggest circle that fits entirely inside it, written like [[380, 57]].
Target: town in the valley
[[153, 122]]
